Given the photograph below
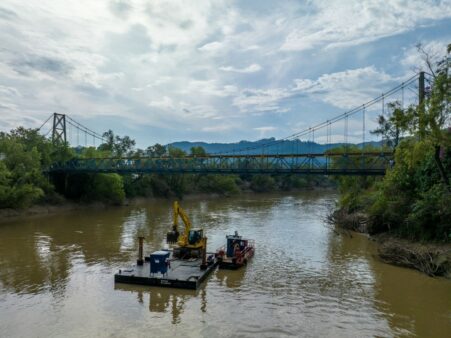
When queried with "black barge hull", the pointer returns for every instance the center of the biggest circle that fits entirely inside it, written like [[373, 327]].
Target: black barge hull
[[184, 274]]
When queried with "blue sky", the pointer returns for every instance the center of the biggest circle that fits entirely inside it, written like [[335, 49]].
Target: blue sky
[[222, 71]]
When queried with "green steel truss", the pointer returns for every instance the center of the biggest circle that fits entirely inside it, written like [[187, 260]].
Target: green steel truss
[[302, 164]]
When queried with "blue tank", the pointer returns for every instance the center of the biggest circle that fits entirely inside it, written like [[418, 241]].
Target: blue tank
[[158, 262]]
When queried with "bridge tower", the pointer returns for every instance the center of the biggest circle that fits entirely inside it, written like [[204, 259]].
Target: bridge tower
[[59, 128], [421, 88], [421, 108]]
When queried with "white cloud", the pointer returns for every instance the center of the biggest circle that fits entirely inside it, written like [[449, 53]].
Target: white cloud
[[164, 103], [8, 92], [346, 89], [217, 128], [265, 130], [211, 47], [337, 23], [150, 63], [252, 47], [209, 88], [260, 99], [249, 69], [413, 60]]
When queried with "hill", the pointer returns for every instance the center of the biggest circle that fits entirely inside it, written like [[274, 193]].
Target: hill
[[255, 147]]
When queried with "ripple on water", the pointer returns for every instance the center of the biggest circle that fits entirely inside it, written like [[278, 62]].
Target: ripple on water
[[303, 281]]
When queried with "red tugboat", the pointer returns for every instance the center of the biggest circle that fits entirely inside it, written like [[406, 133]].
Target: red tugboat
[[239, 252]]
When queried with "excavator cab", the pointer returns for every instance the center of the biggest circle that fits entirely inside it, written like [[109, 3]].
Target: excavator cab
[[194, 236]]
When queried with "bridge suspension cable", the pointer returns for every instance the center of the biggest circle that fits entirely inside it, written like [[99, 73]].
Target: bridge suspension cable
[[328, 123]]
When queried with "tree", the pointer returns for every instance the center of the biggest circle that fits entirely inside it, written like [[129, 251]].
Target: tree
[[107, 188], [117, 145], [21, 179], [123, 146], [198, 151], [109, 138], [397, 123], [262, 183], [157, 150], [436, 108], [176, 152]]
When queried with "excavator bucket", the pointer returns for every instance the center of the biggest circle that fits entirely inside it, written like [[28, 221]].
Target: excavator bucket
[[172, 237]]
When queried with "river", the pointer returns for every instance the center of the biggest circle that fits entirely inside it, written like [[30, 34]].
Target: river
[[306, 280]]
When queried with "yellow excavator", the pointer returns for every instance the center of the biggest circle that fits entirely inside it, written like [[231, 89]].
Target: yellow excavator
[[191, 243]]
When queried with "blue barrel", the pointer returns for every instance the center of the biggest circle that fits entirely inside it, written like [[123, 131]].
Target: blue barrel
[[158, 262]]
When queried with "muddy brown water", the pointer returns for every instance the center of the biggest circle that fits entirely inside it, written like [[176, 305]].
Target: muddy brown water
[[56, 276]]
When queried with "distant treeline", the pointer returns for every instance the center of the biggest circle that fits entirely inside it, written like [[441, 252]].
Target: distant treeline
[[24, 154]]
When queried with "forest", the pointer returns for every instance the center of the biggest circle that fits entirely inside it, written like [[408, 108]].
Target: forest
[[413, 199], [25, 154]]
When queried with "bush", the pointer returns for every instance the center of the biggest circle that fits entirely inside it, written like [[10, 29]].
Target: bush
[[218, 184], [262, 183], [107, 188]]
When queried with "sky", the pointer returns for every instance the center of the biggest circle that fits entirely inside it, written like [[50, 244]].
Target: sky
[[214, 71]]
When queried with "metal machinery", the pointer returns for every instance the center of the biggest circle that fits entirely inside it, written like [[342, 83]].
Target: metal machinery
[[237, 252], [191, 243]]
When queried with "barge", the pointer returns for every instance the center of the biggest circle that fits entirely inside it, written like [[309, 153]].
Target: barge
[[185, 267], [163, 270]]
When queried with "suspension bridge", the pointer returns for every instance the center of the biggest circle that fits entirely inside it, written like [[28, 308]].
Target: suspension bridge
[[283, 156]]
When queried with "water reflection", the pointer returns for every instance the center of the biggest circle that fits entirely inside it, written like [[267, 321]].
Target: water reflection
[[40, 253], [304, 279], [166, 300], [232, 279]]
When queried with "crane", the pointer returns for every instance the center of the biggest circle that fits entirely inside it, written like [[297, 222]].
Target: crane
[[190, 243]]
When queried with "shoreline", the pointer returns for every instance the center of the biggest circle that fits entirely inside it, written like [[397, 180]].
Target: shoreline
[[430, 258], [40, 210]]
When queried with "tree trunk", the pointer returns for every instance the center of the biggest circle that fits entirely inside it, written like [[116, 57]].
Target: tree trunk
[[440, 166]]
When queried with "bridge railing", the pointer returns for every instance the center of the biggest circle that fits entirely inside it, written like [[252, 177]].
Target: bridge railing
[[363, 163]]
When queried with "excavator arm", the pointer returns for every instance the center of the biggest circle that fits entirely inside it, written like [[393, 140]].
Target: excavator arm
[[174, 236], [191, 242], [178, 211]]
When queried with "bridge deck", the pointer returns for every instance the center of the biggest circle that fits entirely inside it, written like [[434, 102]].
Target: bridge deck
[[302, 164]]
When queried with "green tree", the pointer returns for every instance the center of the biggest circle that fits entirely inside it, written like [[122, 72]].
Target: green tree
[[395, 124], [117, 145], [109, 141], [218, 184], [108, 188], [22, 182], [157, 150], [262, 183], [434, 111], [198, 151]]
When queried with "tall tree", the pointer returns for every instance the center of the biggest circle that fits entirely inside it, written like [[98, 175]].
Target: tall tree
[[436, 107]]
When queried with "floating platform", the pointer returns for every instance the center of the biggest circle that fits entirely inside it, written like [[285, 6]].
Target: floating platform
[[183, 274]]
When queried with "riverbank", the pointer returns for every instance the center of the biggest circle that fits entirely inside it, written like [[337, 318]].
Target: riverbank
[[9, 214], [434, 259], [431, 258]]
